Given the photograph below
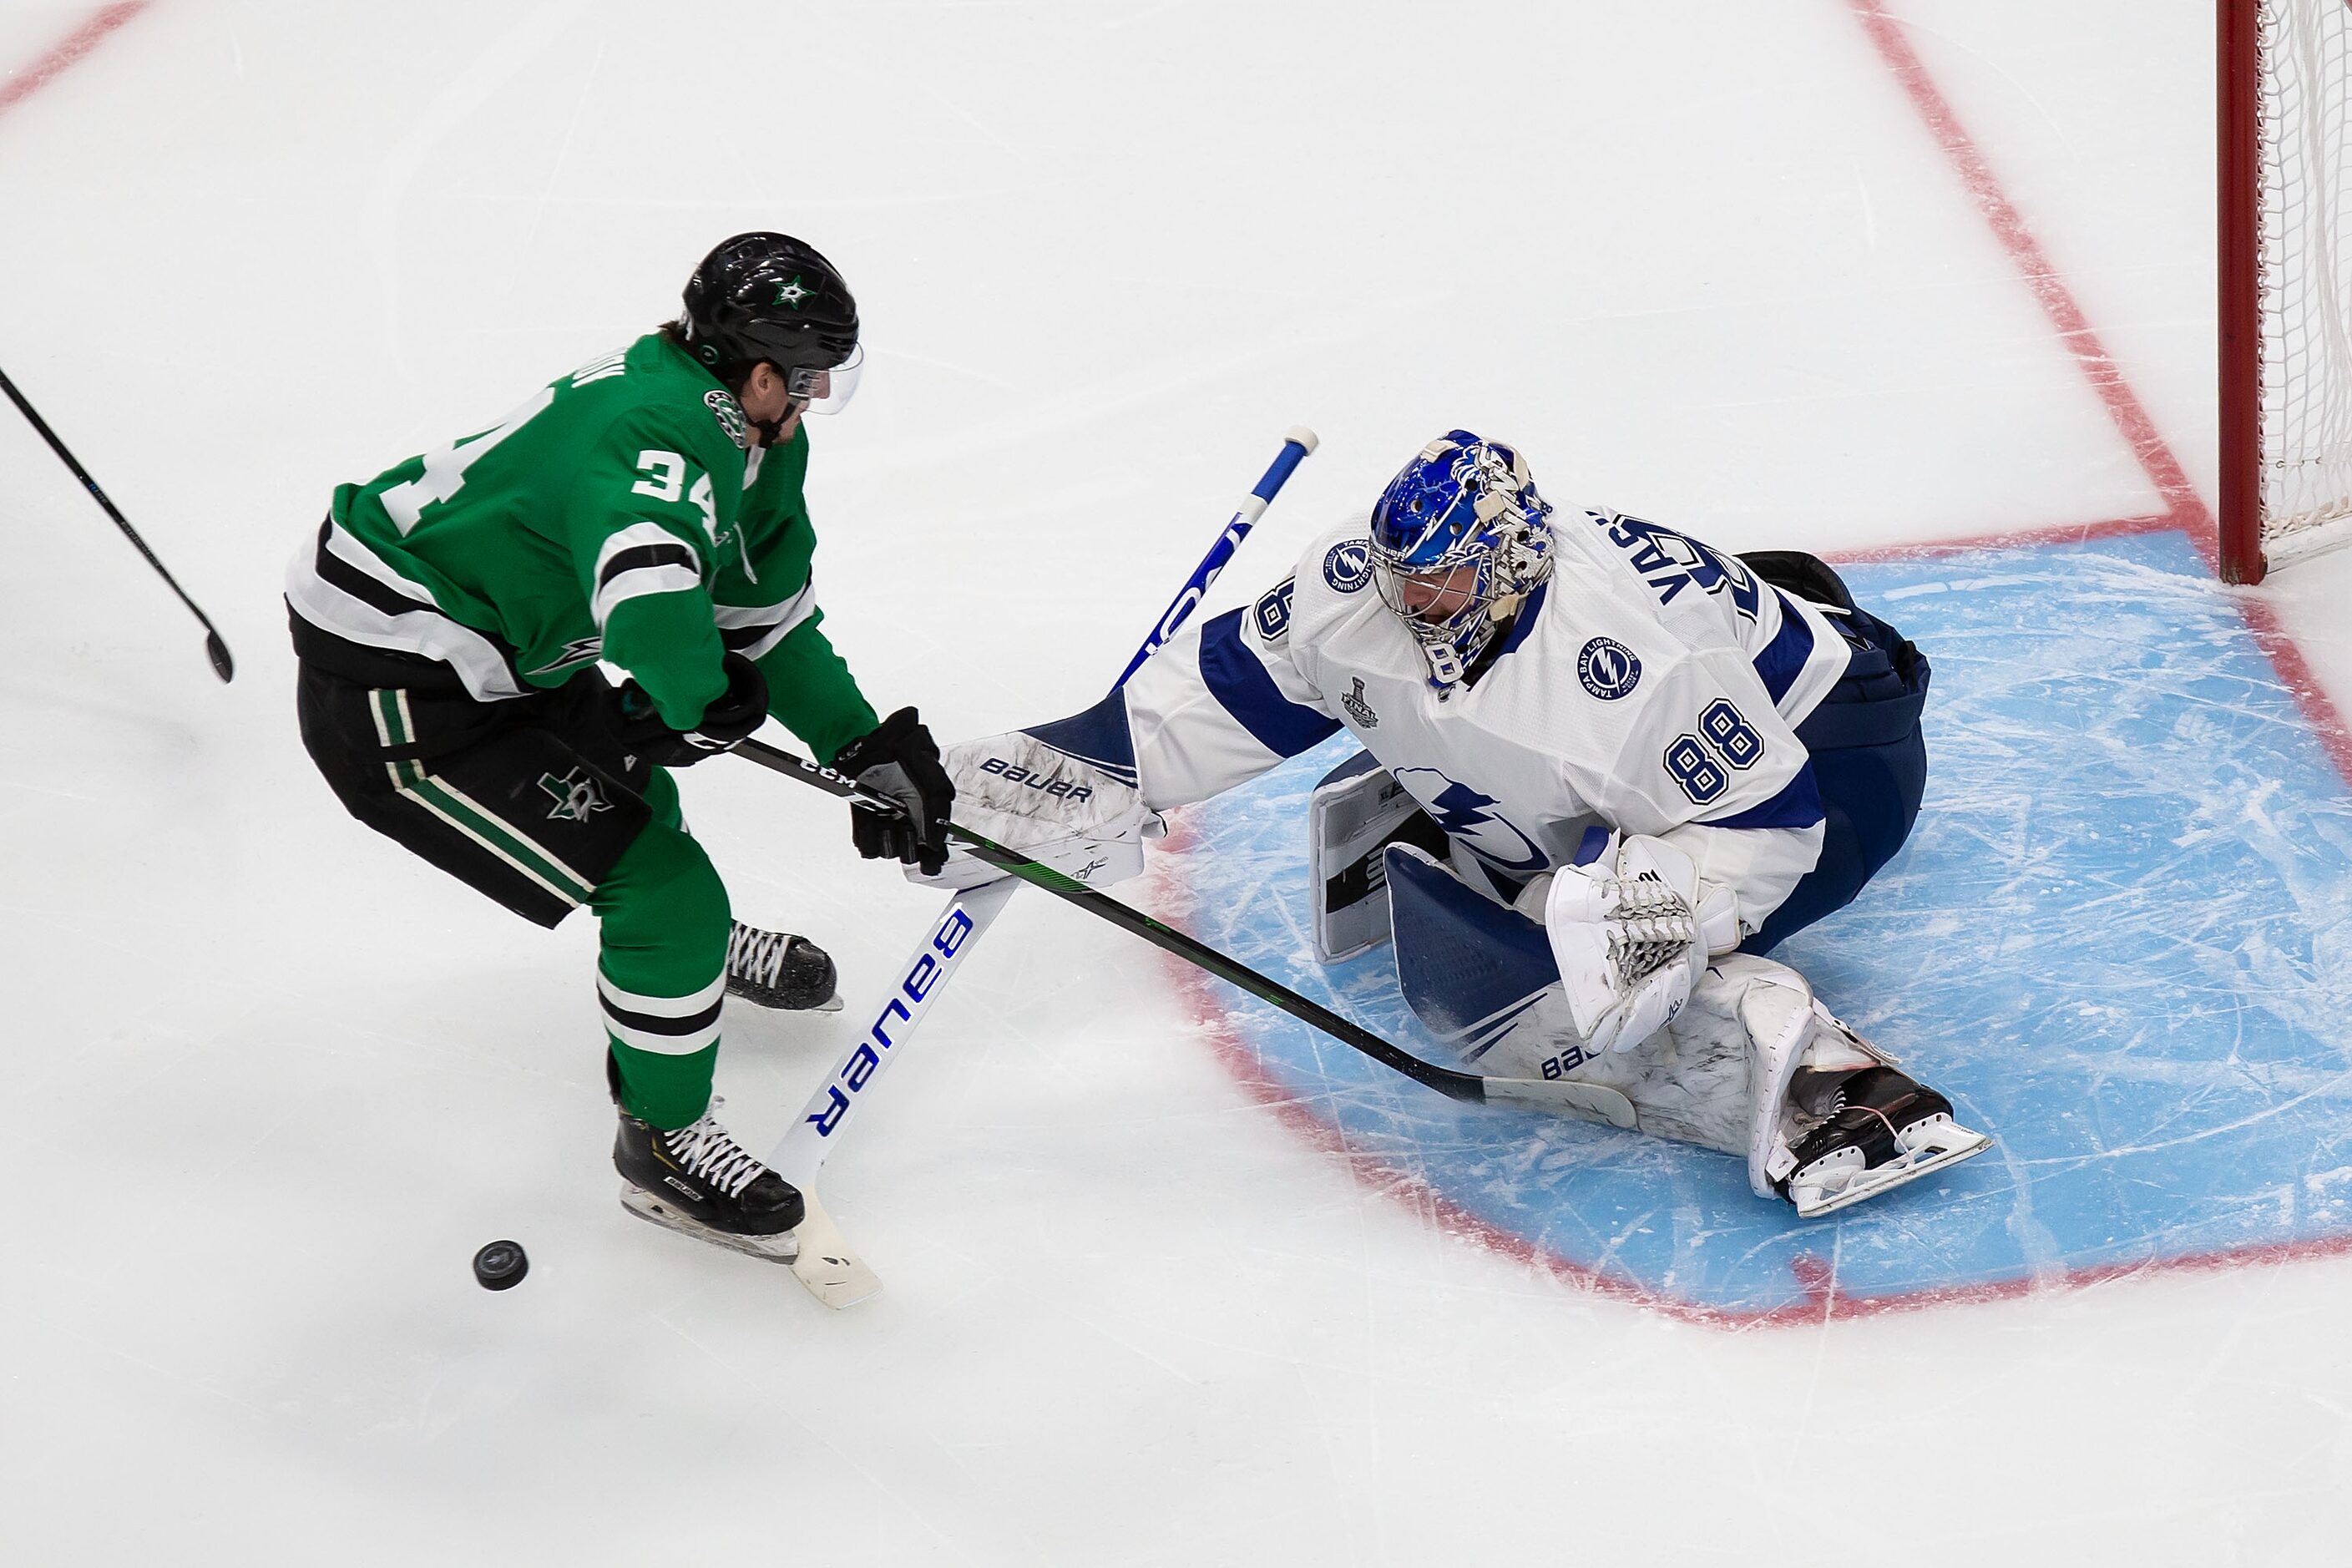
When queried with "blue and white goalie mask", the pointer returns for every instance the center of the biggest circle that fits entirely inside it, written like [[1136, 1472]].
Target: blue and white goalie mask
[[1459, 537]]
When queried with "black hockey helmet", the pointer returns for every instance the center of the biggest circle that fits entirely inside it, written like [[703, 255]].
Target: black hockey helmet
[[770, 296]]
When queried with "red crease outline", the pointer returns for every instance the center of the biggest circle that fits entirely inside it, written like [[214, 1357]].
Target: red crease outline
[[66, 53], [2185, 511]]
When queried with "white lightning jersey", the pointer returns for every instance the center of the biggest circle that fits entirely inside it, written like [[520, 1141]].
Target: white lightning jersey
[[1652, 686]]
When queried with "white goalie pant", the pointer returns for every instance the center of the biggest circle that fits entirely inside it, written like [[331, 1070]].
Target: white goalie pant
[[1723, 1074]]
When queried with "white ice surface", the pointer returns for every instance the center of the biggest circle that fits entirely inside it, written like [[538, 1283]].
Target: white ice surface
[[273, 1081]]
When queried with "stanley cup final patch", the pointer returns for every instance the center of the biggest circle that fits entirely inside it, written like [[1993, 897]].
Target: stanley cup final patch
[[1608, 668]]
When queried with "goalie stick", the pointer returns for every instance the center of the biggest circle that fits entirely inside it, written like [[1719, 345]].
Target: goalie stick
[[826, 1265], [215, 648], [1297, 443]]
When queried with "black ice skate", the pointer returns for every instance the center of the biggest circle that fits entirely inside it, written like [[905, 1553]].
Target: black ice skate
[[777, 969], [1882, 1129], [699, 1182]]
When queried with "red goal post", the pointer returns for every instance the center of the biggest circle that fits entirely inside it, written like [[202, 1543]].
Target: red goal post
[[2284, 106]]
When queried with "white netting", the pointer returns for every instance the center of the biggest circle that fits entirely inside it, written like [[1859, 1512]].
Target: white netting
[[2306, 242]]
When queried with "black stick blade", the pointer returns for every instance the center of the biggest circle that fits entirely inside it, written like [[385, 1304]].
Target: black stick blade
[[217, 651]]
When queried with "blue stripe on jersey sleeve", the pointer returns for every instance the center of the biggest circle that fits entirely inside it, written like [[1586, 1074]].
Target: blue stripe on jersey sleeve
[[1797, 805], [1783, 658], [1241, 685]]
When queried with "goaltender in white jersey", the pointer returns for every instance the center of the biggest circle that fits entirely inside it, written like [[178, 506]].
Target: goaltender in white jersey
[[1606, 768]]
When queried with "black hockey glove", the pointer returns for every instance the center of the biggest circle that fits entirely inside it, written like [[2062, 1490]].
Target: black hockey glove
[[899, 759], [732, 715]]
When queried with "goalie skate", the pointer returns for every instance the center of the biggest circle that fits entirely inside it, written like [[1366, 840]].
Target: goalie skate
[[1882, 1131]]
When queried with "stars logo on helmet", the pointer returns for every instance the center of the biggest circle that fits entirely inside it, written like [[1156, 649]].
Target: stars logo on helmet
[[794, 292]]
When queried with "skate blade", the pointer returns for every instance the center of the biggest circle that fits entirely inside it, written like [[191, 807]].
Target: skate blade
[[832, 1273], [1948, 1145], [830, 1004], [780, 1248]]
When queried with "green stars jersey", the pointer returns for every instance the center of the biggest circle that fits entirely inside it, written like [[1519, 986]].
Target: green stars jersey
[[619, 513]]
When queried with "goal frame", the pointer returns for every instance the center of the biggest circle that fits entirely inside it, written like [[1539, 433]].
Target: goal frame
[[2238, 166]]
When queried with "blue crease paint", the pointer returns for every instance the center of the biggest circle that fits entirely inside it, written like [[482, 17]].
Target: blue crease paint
[[2120, 939]]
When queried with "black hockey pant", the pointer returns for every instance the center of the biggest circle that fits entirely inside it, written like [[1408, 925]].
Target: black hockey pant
[[532, 802]]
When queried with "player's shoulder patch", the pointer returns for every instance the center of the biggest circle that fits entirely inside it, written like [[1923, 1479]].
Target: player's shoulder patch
[[1608, 668], [729, 415], [1348, 565]]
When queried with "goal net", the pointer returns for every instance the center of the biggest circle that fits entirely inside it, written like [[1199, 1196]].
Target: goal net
[[2286, 277]]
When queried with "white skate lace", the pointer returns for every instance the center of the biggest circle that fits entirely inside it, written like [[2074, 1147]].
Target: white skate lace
[[706, 1149], [1892, 1131], [756, 955], [1650, 926]]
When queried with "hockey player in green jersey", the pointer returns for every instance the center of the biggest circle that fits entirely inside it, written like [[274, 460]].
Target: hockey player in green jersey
[[644, 511]]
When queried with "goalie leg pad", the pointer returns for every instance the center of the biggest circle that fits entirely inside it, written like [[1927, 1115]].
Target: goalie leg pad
[[1354, 814], [1752, 1066], [1467, 966], [1801, 1051], [1774, 1007], [1832, 1122]]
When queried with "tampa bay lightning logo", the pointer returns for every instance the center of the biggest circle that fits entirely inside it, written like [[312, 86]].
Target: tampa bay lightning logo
[[1348, 565], [1464, 813], [1608, 668]]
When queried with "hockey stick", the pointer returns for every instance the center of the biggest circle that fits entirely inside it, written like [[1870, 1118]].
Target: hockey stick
[[833, 1272], [1297, 443], [1587, 1102], [214, 649], [802, 1150]]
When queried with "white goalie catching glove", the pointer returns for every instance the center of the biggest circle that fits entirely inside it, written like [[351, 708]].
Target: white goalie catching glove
[[1046, 805], [1631, 935]]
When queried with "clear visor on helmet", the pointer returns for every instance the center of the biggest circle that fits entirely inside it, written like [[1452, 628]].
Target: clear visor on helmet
[[828, 391]]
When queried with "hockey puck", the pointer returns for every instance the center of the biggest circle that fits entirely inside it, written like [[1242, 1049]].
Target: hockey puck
[[500, 1266]]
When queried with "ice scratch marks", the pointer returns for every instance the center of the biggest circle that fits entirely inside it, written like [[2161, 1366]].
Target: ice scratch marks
[[2118, 939]]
